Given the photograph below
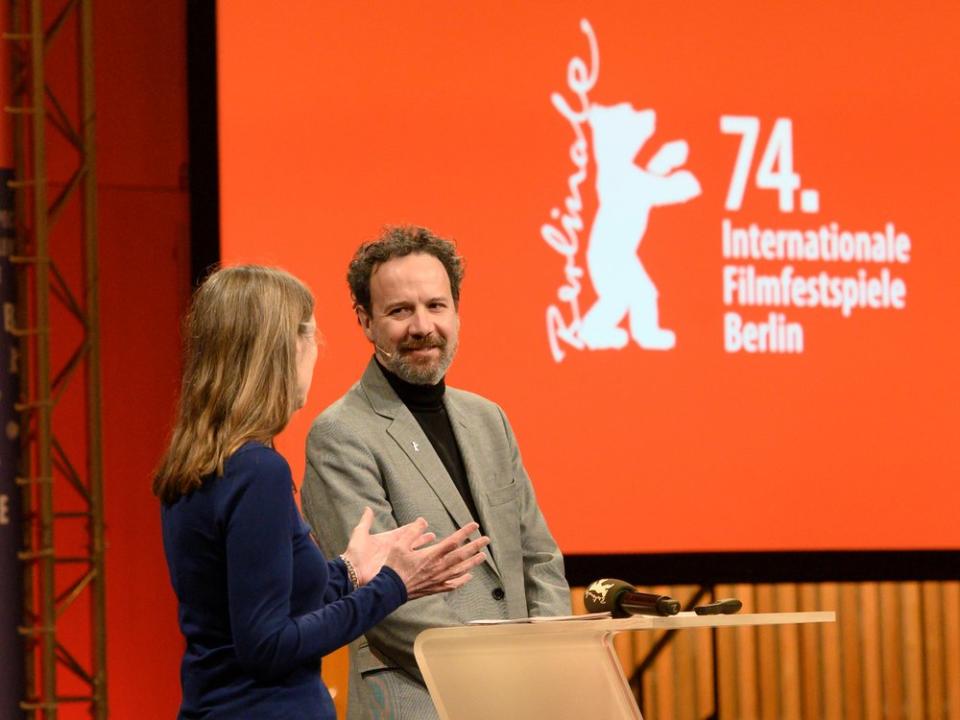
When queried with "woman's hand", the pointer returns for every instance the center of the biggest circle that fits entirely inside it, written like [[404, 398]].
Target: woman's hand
[[368, 552], [424, 570]]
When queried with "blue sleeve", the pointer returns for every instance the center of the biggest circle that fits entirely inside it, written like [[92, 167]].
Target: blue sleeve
[[339, 583], [257, 525]]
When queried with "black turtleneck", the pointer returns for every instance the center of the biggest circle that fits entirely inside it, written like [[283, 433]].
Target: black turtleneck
[[425, 402]]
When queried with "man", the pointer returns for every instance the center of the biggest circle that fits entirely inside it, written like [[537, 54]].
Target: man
[[403, 443]]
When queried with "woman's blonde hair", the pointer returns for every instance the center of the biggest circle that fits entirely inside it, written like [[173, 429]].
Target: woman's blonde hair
[[240, 371]]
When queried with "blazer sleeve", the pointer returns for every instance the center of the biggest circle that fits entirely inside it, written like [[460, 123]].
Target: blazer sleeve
[[342, 477], [545, 584]]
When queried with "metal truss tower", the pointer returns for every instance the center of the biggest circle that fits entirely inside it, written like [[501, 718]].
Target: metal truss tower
[[57, 322]]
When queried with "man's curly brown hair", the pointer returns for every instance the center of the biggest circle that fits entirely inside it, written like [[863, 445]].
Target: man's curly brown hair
[[400, 241]]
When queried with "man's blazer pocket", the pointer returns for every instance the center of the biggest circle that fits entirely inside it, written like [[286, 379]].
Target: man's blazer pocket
[[502, 495], [368, 661]]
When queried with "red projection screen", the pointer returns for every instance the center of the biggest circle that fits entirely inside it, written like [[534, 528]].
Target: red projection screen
[[712, 252]]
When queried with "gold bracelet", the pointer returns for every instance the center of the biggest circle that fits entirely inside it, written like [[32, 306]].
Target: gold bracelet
[[351, 573]]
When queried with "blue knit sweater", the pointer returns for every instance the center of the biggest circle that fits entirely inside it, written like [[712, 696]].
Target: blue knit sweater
[[259, 605]]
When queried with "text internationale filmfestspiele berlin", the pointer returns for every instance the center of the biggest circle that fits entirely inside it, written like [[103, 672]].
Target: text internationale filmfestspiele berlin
[[797, 267]]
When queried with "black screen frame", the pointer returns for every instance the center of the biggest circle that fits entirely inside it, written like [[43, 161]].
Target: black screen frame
[[203, 138]]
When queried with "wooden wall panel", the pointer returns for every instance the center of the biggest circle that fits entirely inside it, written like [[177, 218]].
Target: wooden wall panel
[[891, 655], [746, 658], [685, 679], [726, 660], [951, 641], [830, 655], [768, 658], [914, 698], [933, 655], [852, 666], [703, 658], [789, 654], [811, 691], [870, 651]]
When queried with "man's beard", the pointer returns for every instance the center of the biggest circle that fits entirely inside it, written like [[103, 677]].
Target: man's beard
[[407, 369]]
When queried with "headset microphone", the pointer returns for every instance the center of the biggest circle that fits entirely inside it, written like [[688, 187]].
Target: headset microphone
[[383, 352]]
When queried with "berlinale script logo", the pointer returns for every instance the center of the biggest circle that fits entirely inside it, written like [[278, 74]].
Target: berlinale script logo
[[626, 193]]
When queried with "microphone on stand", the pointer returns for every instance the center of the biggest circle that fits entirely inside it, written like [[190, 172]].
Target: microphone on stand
[[621, 599]]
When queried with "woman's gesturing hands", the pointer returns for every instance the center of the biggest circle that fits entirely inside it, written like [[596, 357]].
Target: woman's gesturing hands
[[424, 569]]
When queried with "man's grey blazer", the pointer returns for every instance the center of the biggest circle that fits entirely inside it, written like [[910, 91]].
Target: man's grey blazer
[[368, 449]]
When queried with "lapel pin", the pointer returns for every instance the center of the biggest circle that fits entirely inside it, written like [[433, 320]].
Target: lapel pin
[[416, 448]]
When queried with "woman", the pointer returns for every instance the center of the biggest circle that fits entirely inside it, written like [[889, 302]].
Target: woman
[[259, 605]]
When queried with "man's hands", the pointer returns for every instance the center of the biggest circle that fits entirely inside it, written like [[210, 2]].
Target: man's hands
[[438, 568], [425, 570]]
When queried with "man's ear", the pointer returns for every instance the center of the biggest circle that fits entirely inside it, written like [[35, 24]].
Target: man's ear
[[365, 321]]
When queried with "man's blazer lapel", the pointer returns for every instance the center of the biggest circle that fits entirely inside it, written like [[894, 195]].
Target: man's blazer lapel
[[407, 433], [478, 473]]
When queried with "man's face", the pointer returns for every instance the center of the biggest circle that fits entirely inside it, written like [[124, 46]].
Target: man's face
[[413, 322]]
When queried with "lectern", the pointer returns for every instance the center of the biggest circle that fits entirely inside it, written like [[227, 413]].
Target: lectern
[[550, 668]]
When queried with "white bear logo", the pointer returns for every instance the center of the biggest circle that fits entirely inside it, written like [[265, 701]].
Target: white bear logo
[[626, 193]]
